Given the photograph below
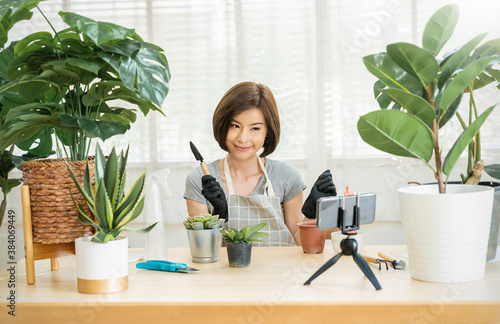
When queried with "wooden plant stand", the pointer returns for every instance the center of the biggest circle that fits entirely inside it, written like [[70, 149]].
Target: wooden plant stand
[[37, 251]]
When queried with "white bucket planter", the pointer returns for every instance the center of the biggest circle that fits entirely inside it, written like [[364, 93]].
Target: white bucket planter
[[446, 234], [101, 268]]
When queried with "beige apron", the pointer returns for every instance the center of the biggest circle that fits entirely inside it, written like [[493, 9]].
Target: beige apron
[[252, 210]]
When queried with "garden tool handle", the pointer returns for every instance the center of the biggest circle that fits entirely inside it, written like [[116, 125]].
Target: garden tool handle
[[385, 256], [369, 259], [205, 169]]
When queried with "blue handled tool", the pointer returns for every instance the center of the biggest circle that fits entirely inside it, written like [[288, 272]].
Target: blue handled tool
[[165, 266]]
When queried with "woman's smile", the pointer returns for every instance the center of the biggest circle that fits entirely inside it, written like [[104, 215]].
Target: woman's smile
[[247, 133]]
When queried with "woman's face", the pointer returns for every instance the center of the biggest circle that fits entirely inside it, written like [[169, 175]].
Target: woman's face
[[246, 134]]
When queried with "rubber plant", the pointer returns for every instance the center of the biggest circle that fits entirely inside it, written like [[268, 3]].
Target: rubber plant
[[424, 93], [71, 80], [111, 207]]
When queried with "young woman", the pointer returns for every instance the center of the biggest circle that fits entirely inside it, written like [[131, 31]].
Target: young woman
[[245, 187]]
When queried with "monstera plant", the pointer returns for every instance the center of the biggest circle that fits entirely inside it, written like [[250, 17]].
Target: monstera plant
[[419, 93], [79, 83]]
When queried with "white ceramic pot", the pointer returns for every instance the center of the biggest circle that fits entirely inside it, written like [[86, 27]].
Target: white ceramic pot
[[101, 268], [446, 234]]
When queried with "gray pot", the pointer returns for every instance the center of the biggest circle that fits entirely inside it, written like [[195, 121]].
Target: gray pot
[[239, 254], [205, 244], [495, 220]]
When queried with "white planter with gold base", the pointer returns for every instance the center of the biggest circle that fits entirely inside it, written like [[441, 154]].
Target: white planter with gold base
[[101, 268]]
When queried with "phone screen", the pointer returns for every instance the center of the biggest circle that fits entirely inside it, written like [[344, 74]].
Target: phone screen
[[327, 210]]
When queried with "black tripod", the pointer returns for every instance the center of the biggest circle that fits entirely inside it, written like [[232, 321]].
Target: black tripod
[[349, 246]]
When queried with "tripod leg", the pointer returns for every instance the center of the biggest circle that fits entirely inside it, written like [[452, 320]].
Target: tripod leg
[[366, 269], [323, 268]]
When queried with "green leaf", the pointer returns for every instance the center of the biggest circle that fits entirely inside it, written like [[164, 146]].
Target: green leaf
[[397, 133], [42, 140], [254, 237], [103, 209], [415, 60], [145, 72], [99, 32], [254, 229], [390, 74], [439, 28], [493, 170], [101, 129], [87, 184], [8, 184], [142, 230], [82, 217], [461, 82], [132, 215], [131, 198], [418, 106], [457, 59], [111, 180], [85, 64], [464, 140], [88, 197], [451, 111]]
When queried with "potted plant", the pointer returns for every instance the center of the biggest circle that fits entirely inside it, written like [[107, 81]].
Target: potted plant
[[445, 233], [9, 16], [239, 244], [73, 85], [102, 260], [204, 237]]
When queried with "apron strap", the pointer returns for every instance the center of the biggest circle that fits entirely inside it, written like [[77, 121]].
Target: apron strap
[[268, 187]]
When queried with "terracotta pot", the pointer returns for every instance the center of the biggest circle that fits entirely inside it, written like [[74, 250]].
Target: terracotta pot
[[312, 238]]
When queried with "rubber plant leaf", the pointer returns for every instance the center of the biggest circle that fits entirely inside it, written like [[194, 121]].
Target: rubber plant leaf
[[417, 105], [415, 60], [493, 170], [451, 111], [461, 82], [390, 74], [439, 28], [397, 133], [464, 140], [99, 32], [457, 59]]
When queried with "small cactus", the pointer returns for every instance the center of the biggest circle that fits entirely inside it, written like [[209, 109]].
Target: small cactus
[[204, 221]]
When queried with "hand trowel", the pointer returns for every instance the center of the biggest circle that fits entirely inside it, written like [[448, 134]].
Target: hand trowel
[[198, 157]]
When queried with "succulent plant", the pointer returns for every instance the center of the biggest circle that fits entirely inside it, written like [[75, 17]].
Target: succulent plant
[[107, 200], [246, 234], [204, 221]]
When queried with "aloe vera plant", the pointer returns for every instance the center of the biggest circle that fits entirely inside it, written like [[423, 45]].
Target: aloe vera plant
[[112, 208], [246, 234], [204, 221], [425, 93]]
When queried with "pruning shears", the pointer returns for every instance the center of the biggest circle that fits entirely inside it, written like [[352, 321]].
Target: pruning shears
[[161, 265]]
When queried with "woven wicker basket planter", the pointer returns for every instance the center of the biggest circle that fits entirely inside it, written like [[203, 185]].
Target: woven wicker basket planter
[[53, 213]]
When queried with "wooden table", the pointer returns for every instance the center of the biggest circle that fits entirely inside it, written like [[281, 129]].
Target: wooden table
[[269, 291]]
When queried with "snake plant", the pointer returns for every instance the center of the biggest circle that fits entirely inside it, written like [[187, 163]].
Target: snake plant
[[246, 234], [203, 221], [112, 208], [425, 93]]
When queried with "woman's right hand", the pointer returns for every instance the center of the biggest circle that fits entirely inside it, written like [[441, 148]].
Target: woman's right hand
[[213, 192]]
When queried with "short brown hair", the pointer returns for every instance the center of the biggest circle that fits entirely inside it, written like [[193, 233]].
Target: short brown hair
[[245, 96]]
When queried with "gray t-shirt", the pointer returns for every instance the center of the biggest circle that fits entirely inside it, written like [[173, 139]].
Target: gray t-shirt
[[285, 179]]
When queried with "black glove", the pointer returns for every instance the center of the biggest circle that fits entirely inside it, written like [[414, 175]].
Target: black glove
[[323, 187], [215, 195]]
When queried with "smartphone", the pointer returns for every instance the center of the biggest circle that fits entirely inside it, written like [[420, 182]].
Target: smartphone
[[327, 210]]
